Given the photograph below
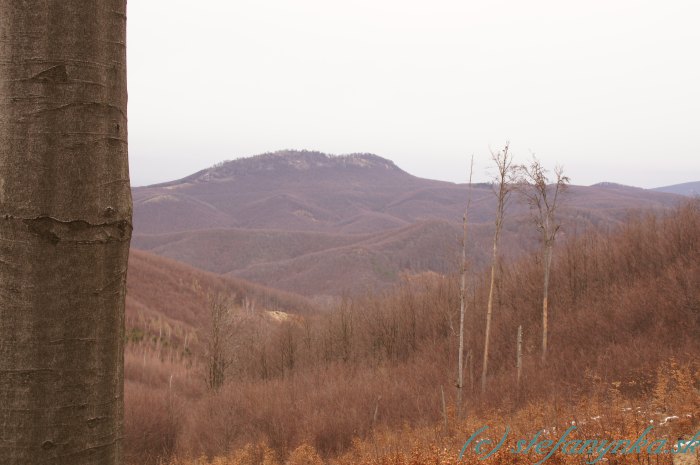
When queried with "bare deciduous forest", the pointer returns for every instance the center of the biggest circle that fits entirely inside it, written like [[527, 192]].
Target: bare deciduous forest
[[363, 383]]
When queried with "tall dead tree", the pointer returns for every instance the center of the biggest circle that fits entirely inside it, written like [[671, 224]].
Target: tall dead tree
[[65, 228], [544, 200], [505, 176], [463, 295]]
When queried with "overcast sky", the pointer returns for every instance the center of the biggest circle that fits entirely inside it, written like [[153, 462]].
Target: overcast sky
[[609, 89]]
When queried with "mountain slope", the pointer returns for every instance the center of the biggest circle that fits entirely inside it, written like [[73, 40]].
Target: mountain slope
[[689, 189], [306, 191], [319, 224]]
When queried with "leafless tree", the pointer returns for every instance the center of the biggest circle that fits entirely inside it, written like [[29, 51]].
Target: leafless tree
[[544, 199], [504, 183], [463, 295]]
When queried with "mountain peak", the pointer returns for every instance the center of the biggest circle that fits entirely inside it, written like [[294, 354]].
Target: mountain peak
[[291, 160], [612, 185]]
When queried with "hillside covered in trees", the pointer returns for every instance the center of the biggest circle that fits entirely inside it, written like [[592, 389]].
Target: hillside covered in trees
[[325, 225], [364, 383]]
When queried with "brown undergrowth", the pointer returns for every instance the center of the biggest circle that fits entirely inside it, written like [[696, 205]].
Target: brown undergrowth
[[672, 411], [363, 383]]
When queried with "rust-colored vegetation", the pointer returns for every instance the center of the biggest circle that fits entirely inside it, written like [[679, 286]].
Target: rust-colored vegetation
[[362, 384]]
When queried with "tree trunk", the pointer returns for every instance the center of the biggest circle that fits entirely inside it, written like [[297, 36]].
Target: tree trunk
[[545, 298], [462, 311], [65, 228], [492, 286], [463, 297], [503, 161], [489, 312], [519, 357]]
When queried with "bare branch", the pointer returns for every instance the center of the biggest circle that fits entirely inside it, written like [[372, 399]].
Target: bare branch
[[543, 199], [506, 180]]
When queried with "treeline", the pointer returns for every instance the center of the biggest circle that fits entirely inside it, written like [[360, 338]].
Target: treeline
[[619, 304]]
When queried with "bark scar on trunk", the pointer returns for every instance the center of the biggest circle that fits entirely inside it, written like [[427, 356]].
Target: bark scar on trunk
[[58, 74], [54, 231]]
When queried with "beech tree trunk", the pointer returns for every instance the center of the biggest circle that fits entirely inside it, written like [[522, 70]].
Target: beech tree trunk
[[65, 228]]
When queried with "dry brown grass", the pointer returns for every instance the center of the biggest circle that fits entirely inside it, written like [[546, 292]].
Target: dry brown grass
[[605, 414]]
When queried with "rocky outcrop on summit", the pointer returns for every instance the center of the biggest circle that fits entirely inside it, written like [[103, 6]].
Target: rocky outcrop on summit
[[286, 161]]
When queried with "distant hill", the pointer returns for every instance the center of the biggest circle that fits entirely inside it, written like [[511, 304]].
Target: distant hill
[[290, 191], [325, 225], [689, 189]]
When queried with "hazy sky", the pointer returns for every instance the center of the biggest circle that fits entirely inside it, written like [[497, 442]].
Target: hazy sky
[[610, 89]]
